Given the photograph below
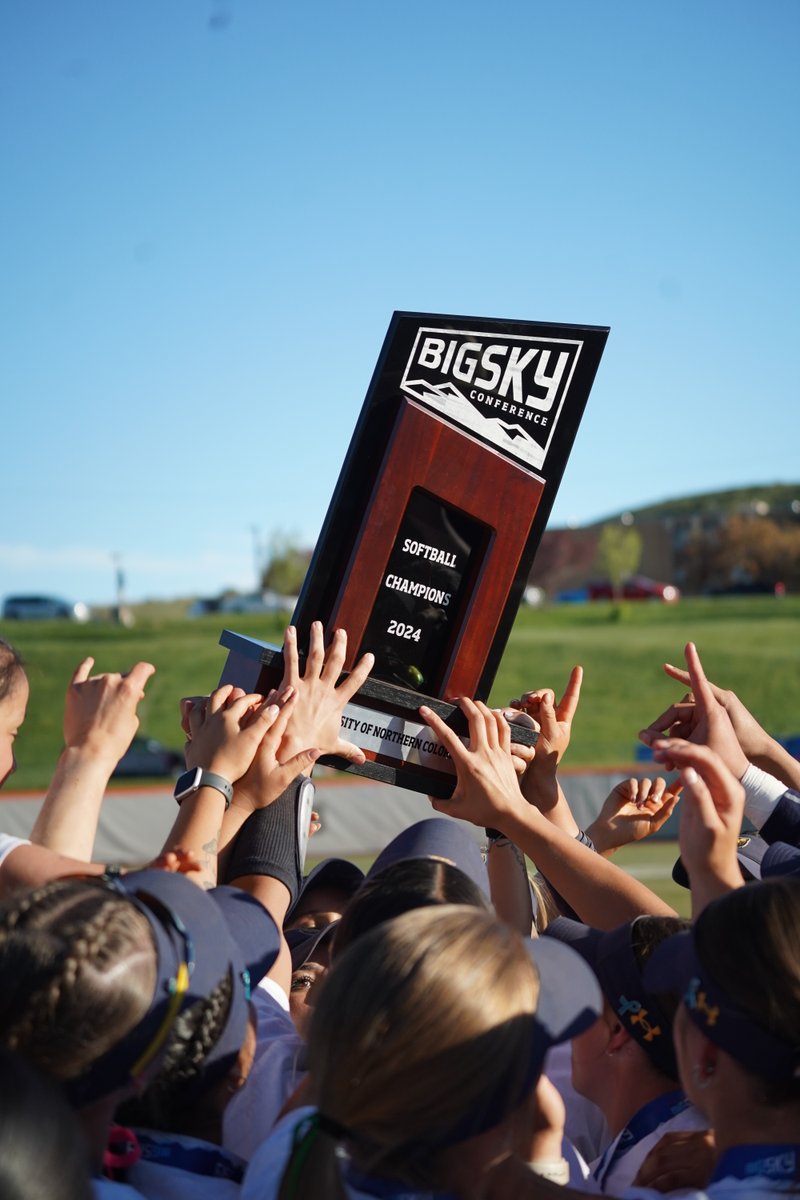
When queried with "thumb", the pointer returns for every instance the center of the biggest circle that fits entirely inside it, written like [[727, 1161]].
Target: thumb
[[285, 773], [350, 751]]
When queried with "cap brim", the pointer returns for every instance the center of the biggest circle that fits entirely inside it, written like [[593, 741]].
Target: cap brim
[[780, 859], [672, 964], [570, 1000], [440, 838], [337, 873], [303, 943]]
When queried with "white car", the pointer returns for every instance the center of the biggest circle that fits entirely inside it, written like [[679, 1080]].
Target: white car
[[43, 608]]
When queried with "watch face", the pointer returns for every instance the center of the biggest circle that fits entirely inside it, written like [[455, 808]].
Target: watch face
[[305, 804], [186, 783]]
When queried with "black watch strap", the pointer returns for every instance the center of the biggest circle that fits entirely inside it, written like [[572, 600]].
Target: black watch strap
[[191, 781]]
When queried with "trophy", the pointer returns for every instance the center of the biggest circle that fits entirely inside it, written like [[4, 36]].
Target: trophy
[[430, 536]]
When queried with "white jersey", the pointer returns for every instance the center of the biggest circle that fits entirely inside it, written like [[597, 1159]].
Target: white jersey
[[278, 1067], [744, 1173], [618, 1166], [108, 1189], [8, 843], [175, 1167], [263, 1176]]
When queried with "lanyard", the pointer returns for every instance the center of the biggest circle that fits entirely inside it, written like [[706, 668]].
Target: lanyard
[[197, 1160], [778, 1162], [645, 1121]]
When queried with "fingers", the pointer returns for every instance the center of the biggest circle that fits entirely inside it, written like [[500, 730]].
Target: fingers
[[704, 776], [138, 676], [657, 728], [572, 694], [516, 717], [348, 688], [678, 673], [291, 663], [334, 657], [316, 651], [82, 671], [701, 688], [450, 740], [187, 704], [216, 700]]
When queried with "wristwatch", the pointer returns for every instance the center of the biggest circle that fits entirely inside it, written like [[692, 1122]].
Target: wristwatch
[[191, 781]]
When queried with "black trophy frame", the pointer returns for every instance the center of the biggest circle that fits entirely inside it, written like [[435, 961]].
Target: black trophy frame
[[431, 533]]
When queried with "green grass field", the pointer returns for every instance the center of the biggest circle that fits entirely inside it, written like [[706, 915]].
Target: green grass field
[[750, 644]]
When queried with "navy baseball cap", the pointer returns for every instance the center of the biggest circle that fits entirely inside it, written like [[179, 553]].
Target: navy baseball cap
[[750, 851], [438, 838], [780, 858], [676, 966], [304, 942], [569, 1002], [336, 873], [199, 937], [611, 956]]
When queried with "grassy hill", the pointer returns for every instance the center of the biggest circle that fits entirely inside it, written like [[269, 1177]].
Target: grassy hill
[[778, 496], [749, 644]]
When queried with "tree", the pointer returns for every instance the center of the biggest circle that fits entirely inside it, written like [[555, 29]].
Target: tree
[[286, 566], [619, 552]]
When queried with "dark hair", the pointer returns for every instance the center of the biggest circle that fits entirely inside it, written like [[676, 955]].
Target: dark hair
[[43, 1151], [749, 941], [11, 663], [405, 885], [64, 1000], [170, 1102], [647, 933]]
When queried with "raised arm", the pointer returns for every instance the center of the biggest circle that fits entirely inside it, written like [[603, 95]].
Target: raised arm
[[100, 720], [487, 793], [553, 719], [711, 819], [760, 748]]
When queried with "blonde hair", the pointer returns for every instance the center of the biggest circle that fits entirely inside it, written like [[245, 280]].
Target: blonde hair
[[422, 1038]]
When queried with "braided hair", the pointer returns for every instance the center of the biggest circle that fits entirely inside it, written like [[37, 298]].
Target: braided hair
[[170, 1101], [78, 968]]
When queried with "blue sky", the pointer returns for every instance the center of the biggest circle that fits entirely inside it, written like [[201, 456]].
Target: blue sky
[[211, 208]]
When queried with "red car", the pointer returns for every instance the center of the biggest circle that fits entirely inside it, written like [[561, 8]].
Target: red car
[[638, 587]]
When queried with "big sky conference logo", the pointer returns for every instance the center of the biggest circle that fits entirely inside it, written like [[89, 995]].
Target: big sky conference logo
[[507, 390]]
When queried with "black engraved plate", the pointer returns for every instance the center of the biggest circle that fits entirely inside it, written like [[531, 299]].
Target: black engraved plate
[[428, 577]]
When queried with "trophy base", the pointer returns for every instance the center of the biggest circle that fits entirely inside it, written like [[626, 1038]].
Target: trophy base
[[382, 719]]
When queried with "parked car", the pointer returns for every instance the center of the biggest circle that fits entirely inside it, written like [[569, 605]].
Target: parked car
[[572, 596], [147, 756], [258, 602], [637, 587], [203, 606], [43, 608]]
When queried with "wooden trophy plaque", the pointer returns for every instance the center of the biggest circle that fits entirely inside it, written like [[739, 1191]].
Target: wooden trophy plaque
[[431, 533]]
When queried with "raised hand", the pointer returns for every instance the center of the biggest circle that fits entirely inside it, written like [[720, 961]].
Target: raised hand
[[316, 718], [487, 787], [701, 719], [100, 710], [552, 718], [227, 732], [633, 810], [711, 819]]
